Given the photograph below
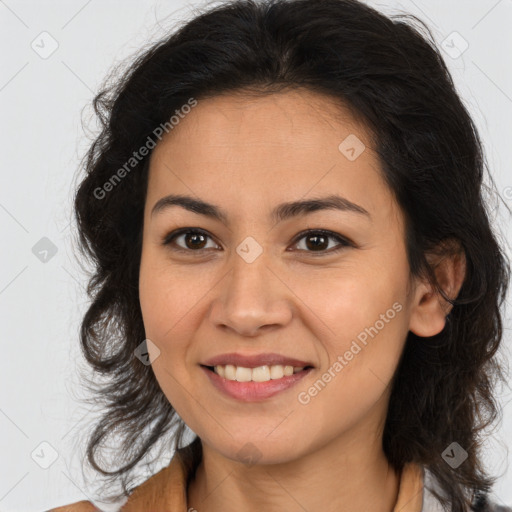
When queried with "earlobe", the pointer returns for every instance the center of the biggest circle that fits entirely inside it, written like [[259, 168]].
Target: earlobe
[[429, 308]]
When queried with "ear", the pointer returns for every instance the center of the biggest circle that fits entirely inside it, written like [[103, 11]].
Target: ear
[[429, 309]]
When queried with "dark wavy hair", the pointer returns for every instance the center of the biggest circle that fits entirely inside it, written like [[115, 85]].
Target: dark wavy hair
[[390, 74]]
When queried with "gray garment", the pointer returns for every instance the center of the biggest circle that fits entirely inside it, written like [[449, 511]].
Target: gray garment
[[430, 502]]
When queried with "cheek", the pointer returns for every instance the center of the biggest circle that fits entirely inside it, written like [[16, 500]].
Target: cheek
[[346, 301], [363, 344], [167, 310], [167, 298], [361, 323], [172, 304]]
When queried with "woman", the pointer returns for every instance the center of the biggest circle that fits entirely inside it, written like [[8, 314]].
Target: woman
[[293, 259]]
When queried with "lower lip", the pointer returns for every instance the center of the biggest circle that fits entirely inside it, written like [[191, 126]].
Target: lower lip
[[254, 391]]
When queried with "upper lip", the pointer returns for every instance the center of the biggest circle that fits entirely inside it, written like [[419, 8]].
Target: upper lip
[[253, 361]]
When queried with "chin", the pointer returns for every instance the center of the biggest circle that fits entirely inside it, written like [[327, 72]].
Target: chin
[[257, 449]]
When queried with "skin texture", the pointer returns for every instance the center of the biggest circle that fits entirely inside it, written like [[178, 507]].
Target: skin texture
[[248, 155]]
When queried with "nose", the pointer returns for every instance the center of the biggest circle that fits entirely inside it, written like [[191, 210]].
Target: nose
[[252, 298]]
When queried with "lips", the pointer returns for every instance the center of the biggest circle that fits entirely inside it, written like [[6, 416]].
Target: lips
[[254, 391], [253, 361]]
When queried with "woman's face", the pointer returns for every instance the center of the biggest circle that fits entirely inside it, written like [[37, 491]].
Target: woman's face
[[254, 282]]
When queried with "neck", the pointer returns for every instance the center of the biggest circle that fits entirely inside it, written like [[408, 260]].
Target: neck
[[345, 475]]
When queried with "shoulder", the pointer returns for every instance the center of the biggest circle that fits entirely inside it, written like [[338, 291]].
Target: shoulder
[[79, 506]]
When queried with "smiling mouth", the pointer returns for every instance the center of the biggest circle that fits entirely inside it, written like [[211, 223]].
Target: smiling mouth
[[263, 373]]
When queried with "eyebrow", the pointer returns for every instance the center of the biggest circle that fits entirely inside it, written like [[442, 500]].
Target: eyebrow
[[280, 213]]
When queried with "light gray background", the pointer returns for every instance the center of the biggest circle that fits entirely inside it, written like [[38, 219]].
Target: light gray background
[[41, 102]]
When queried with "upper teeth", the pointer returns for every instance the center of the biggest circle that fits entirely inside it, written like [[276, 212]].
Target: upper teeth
[[258, 374]]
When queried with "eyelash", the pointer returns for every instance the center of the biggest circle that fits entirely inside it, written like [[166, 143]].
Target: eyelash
[[344, 242]]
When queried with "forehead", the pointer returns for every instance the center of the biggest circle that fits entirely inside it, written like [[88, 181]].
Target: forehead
[[278, 147], [296, 119]]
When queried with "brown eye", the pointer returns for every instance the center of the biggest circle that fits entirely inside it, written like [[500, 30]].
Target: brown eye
[[193, 240], [318, 241], [315, 242], [196, 240]]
